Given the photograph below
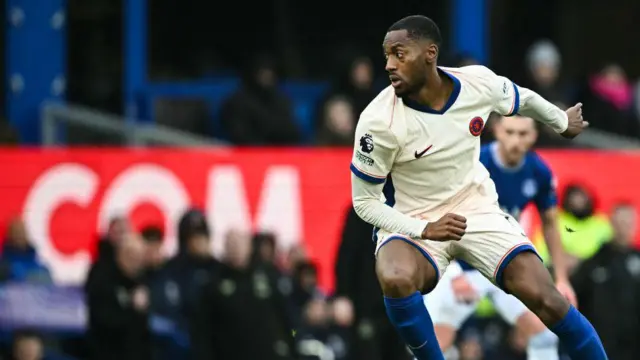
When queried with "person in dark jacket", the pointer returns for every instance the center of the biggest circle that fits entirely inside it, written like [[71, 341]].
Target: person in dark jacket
[[19, 260], [608, 288], [118, 228], [241, 314], [118, 305], [176, 286], [374, 338], [258, 113], [153, 237]]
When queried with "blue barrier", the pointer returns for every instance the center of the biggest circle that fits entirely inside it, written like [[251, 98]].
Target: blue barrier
[[305, 97]]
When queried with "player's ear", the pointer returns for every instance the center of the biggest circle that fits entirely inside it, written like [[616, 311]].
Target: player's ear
[[431, 52]]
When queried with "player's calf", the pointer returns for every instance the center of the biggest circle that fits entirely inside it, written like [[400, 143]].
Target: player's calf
[[527, 279], [402, 273]]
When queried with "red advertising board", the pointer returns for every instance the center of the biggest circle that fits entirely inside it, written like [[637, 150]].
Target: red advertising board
[[66, 196]]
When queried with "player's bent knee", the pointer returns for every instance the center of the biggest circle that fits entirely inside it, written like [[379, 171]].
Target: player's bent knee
[[398, 269], [397, 280]]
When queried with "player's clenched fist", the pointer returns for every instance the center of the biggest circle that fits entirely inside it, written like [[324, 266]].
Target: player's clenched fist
[[449, 227], [576, 122]]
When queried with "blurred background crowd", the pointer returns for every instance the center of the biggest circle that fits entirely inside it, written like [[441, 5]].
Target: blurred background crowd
[[115, 74]]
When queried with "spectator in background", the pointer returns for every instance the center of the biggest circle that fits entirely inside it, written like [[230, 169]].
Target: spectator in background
[[153, 237], [241, 314], [471, 348], [374, 338], [258, 113], [544, 65], [19, 260], [118, 304], [338, 122], [319, 338], [355, 85], [608, 102], [118, 228], [27, 345], [264, 248], [297, 254], [176, 287], [582, 230], [608, 288], [305, 285]]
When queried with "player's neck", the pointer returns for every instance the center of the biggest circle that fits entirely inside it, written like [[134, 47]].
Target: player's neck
[[506, 161], [436, 91]]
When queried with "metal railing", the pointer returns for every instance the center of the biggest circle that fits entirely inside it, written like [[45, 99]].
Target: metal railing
[[140, 134], [134, 134]]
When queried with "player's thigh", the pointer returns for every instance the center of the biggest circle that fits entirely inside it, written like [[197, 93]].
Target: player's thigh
[[508, 306], [399, 258], [443, 306], [492, 241]]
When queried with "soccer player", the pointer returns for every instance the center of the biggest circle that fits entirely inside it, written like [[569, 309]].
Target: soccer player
[[417, 147], [521, 177]]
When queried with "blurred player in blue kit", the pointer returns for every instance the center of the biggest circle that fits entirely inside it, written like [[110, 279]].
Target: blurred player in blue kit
[[418, 179], [521, 178]]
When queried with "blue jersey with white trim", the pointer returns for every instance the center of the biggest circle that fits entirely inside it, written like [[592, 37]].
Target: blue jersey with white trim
[[530, 182]]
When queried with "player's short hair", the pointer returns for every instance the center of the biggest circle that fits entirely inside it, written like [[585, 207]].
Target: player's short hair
[[418, 27]]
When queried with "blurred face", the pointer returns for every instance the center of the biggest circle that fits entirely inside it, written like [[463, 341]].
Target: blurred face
[[316, 312], [515, 136], [470, 349], [340, 117], [623, 222], [342, 312], [578, 200], [18, 234], [117, 230], [28, 349], [238, 249], [266, 77], [545, 74], [132, 254], [614, 75], [198, 245], [267, 252], [362, 74], [408, 61]]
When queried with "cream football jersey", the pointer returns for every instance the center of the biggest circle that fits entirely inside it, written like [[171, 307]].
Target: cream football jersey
[[428, 159]]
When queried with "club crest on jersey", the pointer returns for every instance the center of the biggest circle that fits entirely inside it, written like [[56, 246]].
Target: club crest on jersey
[[476, 125], [366, 143], [529, 188]]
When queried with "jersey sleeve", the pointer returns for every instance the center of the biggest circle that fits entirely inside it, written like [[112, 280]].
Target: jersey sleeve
[[506, 95], [374, 150], [547, 196]]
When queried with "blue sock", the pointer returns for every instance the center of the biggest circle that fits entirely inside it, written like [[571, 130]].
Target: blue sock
[[412, 320], [579, 337]]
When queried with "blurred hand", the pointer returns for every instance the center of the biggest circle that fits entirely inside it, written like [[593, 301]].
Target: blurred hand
[[565, 288], [576, 122], [462, 289], [448, 227], [140, 299], [343, 313]]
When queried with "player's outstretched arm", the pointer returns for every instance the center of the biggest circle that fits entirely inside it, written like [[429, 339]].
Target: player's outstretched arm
[[511, 99]]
